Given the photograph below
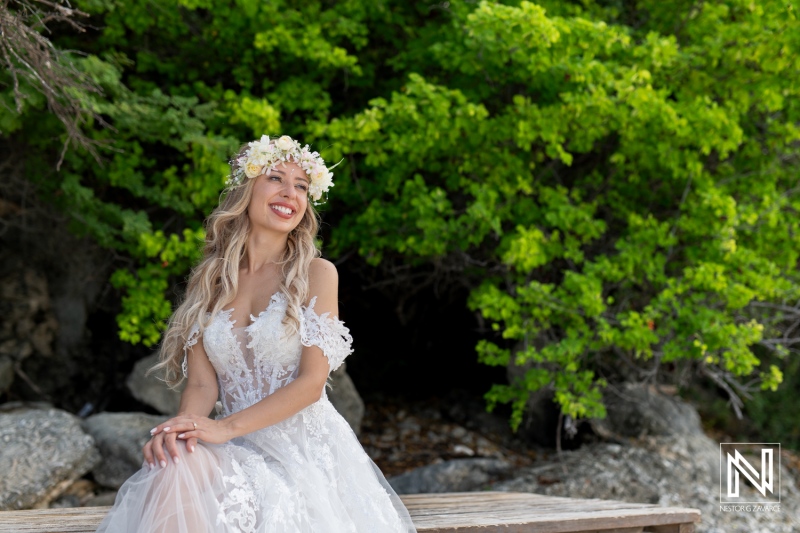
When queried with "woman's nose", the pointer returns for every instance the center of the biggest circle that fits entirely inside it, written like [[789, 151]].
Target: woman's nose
[[289, 190]]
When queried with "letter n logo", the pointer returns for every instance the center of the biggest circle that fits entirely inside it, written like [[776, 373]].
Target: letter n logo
[[735, 468]]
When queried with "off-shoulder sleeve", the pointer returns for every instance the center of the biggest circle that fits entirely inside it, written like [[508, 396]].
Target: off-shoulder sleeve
[[191, 341], [329, 333]]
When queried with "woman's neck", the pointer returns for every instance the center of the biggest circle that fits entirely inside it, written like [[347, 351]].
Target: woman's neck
[[264, 250]]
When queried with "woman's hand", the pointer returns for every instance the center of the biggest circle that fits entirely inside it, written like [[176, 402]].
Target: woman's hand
[[189, 428]]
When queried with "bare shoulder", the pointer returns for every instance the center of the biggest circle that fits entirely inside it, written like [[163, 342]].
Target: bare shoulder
[[322, 270], [323, 281]]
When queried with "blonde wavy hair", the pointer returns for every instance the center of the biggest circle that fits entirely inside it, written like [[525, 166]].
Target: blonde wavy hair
[[213, 283]]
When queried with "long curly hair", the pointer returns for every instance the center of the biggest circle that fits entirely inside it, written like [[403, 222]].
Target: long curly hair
[[213, 283]]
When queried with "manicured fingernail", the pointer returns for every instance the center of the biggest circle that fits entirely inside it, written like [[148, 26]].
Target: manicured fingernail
[[191, 448], [166, 428], [181, 435], [176, 460], [152, 466], [152, 431], [163, 464]]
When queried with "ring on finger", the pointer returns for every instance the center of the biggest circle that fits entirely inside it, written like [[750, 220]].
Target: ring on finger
[[195, 425]]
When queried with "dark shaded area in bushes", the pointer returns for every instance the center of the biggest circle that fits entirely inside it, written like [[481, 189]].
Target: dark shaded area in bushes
[[430, 354]]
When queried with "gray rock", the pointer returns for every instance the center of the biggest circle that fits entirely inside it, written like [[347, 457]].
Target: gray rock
[[150, 390], [345, 398], [457, 475], [636, 411], [66, 501], [614, 472], [120, 437], [103, 499], [42, 452], [75, 496]]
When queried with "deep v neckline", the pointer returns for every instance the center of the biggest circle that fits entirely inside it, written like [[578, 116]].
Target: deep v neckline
[[275, 298]]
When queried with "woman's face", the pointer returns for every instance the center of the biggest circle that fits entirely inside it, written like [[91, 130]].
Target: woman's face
[[280, 198]]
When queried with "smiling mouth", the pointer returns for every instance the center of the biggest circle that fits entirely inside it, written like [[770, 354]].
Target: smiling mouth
[[283, 210]]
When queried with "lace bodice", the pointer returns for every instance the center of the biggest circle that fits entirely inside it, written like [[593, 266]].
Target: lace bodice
[[254, 361]]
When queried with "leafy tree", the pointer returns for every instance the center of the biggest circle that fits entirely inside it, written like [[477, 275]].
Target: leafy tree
[[621, 186], [179, 87], [615, 182]]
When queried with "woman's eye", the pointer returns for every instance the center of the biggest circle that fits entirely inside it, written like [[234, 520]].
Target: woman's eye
[[303, 187], [275, 178]]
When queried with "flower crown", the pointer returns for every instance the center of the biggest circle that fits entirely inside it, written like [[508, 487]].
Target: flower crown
[[265, 154]]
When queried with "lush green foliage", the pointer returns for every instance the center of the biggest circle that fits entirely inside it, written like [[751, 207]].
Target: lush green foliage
[[616, 181], [630, 190]]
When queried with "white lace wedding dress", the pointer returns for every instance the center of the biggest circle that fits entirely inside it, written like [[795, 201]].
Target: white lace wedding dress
[[308, 473]]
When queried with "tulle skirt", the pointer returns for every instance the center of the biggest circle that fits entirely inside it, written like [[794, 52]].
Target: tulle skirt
[[307, 474]]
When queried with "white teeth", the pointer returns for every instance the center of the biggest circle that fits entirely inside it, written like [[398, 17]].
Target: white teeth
[[284, 210]]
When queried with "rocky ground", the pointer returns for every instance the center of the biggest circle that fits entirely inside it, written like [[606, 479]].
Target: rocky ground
[[649, 450], [401, 436]]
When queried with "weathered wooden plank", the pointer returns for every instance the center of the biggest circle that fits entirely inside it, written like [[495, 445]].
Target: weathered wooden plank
[[481, 511], [472, 512], [75, 520], [622, 530], [677, 528], [526, 529]]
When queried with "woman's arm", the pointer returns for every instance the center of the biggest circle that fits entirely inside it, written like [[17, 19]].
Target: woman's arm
[[286, 401], [197, 399], [202, 391]]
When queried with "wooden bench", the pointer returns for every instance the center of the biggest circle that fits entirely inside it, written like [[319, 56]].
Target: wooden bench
[[463, 512]]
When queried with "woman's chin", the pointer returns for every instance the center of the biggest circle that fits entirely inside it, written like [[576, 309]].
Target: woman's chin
[[279, 226]]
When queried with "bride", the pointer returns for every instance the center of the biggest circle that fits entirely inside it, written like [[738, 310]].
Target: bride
[[258, 331]]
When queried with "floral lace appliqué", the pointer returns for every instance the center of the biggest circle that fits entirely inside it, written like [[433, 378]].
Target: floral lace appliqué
[[329, 333], [191, 341]]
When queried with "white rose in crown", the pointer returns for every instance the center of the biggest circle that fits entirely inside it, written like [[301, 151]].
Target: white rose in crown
[[325, 181], [265, 154], [316, 173], [285, 143], [253, 169]]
